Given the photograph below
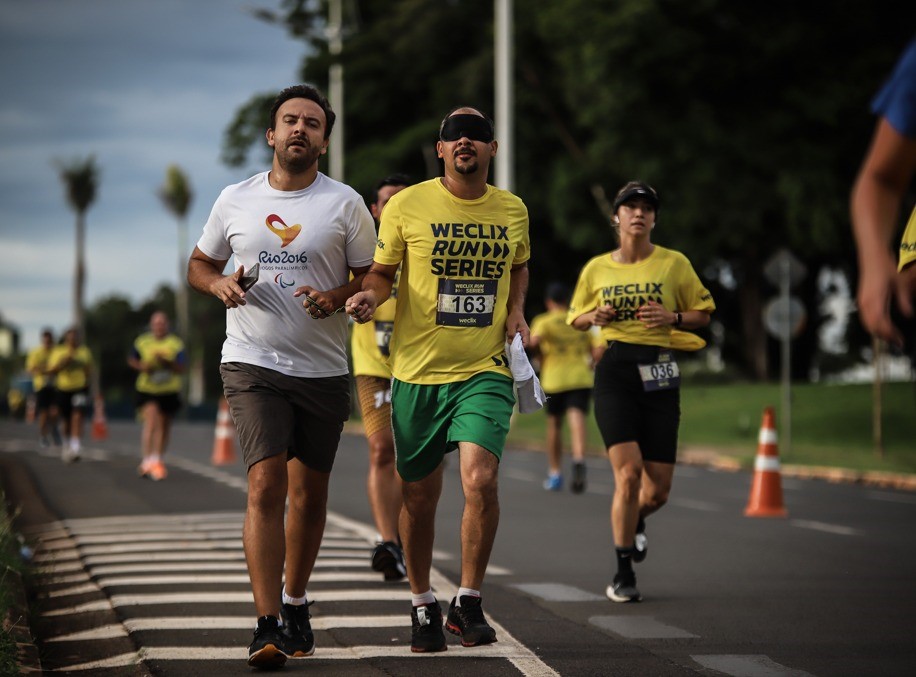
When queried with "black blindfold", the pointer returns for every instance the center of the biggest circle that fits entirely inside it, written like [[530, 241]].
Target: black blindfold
[[467, 125]]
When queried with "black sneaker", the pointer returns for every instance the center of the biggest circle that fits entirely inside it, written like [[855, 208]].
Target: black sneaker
[[467, 622], [297, 630], [578, 483], [388, 558], [426, 634], [623, 589], [641, 544], [267, 650]]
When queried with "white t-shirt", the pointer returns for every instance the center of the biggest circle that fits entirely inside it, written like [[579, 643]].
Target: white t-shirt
[[311, 236]]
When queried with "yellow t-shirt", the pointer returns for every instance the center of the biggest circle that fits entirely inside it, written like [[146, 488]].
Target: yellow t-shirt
[[908, 243], [370, 340], [75, 376], [566, 353], [149, 350], [455, 257], [665, 277], [36, 363]]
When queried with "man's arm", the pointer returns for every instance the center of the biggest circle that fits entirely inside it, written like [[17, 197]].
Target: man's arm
[[206, 276], [874, 206], [332, 300], [518, 289], [375, 290]]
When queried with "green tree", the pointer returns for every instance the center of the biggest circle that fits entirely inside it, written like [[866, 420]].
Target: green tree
[[81, 182], [750, 120]]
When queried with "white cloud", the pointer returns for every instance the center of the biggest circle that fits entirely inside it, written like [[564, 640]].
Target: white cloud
[[140, 85]]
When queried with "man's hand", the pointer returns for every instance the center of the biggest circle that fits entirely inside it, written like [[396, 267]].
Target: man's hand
[[361, 306], [515, 324], [319, 304], [879, 286], [228, 290]]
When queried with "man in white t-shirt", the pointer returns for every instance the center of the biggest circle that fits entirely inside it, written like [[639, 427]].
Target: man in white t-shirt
[[284, 361]]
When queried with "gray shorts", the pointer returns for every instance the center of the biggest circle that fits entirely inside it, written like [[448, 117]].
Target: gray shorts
[[275, 413]]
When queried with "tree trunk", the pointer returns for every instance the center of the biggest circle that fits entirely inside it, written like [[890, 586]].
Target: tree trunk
[[79, 275]]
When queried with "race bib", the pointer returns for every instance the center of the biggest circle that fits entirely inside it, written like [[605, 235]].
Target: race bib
[[160, 376], [466, 303], [663, 374], [383, 336], [79, 400]]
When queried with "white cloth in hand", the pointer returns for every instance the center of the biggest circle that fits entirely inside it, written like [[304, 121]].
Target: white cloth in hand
[[528, 391]]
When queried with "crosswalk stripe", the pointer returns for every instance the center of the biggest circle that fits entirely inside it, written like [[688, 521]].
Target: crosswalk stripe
[[197, 579], [168, 623]]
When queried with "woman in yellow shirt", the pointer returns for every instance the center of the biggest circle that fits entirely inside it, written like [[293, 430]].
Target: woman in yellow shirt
[[159, 357], [640, 295]]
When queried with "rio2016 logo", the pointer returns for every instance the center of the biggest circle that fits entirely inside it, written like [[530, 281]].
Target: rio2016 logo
[[286, 233], [278, 279]]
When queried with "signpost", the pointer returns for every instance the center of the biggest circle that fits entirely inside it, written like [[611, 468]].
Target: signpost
[[784, 317]]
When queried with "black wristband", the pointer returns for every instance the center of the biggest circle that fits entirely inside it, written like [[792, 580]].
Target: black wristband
[[677, 319]]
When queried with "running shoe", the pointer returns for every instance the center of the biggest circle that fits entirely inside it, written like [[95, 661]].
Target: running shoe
[[578, 483], [143, 468], [388, 558], [157, 471], [267, 648], [426, 633], [44, 441], [623, 589], [554, 482], [297, 629], [467, 622], [641, 543]]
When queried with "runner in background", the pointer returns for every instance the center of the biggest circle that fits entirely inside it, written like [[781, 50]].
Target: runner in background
[[567, 358], [38, 364], [159, 357], [369, 349]]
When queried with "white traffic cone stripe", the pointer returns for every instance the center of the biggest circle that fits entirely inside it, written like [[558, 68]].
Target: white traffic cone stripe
[[766, 463], [767, 436]]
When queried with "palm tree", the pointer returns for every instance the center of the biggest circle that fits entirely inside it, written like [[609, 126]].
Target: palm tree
[[81, 180], [176, 195]]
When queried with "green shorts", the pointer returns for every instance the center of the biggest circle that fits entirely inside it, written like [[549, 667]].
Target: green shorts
[[429, 421]]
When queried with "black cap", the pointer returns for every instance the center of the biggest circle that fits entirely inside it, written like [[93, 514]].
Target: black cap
[[637, 189]]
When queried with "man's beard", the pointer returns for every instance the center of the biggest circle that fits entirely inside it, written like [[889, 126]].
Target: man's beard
[[469, 167], [300, 162]]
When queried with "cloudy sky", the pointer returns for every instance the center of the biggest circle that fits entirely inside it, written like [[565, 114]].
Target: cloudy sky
[[140, 84]]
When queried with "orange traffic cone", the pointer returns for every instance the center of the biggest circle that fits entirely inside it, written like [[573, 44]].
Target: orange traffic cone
[[766, 490], [99, 424], [223, 446]]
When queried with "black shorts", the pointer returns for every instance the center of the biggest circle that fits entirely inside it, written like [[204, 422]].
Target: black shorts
[[625, 412], [275, 413], [45, 398], [168, 403], [68, 400], [558, 403]]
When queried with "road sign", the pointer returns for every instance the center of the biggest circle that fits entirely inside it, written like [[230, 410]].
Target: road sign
[[784, 315], [784, 263]]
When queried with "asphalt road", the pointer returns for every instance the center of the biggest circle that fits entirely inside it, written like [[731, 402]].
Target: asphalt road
[[140, 577]]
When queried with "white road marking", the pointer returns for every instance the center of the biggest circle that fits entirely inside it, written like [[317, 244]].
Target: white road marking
[[231, 579], [825, 527], [906, 499], [640, 627], [168, 623], [751, 665], [558, 592]]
